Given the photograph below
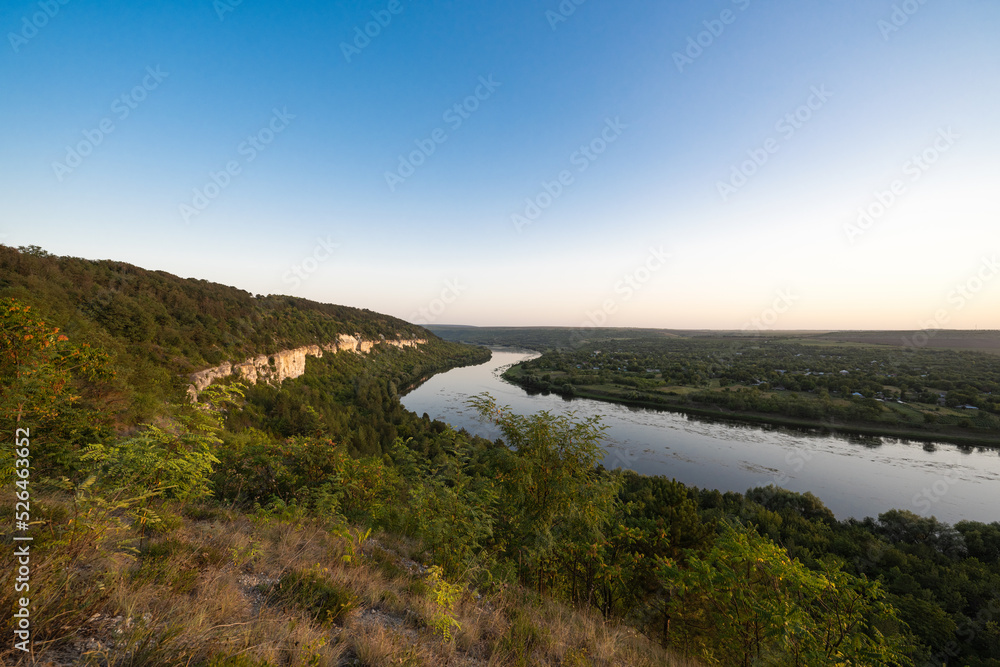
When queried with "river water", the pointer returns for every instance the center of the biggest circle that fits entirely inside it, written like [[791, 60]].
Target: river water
[[853, 477]]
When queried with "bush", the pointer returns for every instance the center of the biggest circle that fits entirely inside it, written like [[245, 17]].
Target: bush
[[312, 590]]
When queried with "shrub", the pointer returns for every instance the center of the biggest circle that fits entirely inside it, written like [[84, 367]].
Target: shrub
[[312, 591]]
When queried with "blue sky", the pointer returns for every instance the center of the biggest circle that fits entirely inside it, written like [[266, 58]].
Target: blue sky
[[801, 164]]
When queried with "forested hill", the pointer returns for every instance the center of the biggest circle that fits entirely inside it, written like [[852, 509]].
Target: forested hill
[[198, 321], [157, 327]]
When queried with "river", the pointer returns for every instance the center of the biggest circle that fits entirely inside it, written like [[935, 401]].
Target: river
[[853, 477]]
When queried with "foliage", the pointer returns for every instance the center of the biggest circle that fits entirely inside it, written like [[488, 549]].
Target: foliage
[[444, 595], [746, 602], [313, 591], [40, 375], [452, 510], [768, 575], [353, 541], [177, 461], [322, 475], [552, 497]]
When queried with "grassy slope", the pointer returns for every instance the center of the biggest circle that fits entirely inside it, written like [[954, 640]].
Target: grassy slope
[[213, 586]]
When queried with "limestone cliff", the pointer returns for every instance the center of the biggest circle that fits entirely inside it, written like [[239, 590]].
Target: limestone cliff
[[288, 363]]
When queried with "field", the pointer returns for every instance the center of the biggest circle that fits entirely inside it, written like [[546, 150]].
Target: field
[[982, 341]]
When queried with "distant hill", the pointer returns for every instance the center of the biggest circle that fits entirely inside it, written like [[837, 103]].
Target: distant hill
[[941, 339], [554, 338], [540, 338]]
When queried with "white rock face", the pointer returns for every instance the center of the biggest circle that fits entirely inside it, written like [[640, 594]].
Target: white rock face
[[202, 379], [344, 343], [414, 342], [287, 364]]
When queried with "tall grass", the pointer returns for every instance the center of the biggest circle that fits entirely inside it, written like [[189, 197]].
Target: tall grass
[[212, 586]]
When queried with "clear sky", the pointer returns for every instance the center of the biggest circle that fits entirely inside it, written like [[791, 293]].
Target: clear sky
[[659, 164]]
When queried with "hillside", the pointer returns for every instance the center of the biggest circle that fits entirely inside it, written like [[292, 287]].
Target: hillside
[[308, 519], [159, 329], [204, 518]]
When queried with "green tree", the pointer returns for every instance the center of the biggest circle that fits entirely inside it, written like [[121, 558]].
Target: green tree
[[39, 368], [175, 461], [746, 602], [553, 499], [453, 510]]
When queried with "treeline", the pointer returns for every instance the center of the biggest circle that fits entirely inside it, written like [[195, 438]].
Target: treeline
[[925, 390], [178, 320], [914, 375], [542, 338]]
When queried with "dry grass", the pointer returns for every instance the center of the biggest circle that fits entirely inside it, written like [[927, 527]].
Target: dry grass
[[378, 646], [207, 591]]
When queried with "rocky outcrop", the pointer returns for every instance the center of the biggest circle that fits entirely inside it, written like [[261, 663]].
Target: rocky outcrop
[[287, 364]]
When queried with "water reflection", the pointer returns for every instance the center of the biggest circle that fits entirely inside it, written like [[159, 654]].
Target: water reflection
[[870, 441], [854, 475]]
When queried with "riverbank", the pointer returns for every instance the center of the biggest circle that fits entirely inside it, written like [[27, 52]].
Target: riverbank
[[669, 404]]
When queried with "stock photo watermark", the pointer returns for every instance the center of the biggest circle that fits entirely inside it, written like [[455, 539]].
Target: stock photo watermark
[[437, 306], [796, 461], [455, 116], [765, 321], [960, 296], [625, 289], [913, 169], [582, 158], [22, 521], [929, 496], [562, 13], [122, 107], [900, 16], [714, 29], [301, 271], [248, 149], [30, 25], [787, 126], [223, 7]]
